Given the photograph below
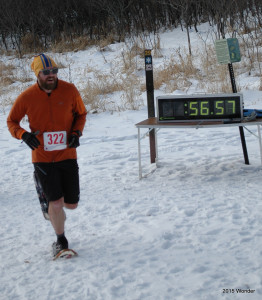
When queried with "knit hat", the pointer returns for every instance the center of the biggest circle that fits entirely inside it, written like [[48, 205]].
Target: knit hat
[[42, 62]]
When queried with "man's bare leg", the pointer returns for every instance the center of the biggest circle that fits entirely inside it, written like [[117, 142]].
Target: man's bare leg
[[57, 215]]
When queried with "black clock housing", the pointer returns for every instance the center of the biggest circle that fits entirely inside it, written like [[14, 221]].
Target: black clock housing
[[204, 107]]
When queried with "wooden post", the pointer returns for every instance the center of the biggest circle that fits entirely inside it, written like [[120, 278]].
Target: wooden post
[[150, 102], [241, 130]]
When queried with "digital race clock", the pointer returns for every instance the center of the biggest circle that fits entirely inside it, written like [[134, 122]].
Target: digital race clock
[[212, 107]]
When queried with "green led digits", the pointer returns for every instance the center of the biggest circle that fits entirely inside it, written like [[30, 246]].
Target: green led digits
[[204, 108], [193, 108], [230, 106], [219, 107]]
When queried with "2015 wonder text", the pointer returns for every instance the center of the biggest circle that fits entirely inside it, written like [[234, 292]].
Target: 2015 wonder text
[[238, 291]]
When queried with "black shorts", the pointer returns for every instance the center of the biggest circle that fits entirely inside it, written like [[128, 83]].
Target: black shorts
[[59, 179]]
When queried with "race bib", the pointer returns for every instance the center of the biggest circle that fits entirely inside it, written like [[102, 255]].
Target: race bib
[[54, 140]]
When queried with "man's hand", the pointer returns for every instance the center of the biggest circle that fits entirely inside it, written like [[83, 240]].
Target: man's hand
[[31, 140], [73, 141]]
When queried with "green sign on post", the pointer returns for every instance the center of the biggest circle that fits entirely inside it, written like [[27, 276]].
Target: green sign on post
[[227, 51], [234, 51]]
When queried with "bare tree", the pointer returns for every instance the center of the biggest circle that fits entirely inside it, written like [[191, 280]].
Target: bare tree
[[49, 21]]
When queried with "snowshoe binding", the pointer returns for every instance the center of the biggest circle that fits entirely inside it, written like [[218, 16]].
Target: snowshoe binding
[[61, 250]]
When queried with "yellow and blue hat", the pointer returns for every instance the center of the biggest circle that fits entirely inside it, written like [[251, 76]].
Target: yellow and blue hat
[[42, 62]]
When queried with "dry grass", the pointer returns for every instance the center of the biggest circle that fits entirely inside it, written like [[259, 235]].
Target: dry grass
[[175, 73], [6, 72], [213, 78], [122, 86], [8, 76], [76, 44], [120, 89], [216, 82], [95, 92], [131, 93], [31, 44], [81, 43]]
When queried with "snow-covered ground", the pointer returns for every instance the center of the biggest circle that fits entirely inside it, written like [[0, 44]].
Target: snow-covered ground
[[191, 229]]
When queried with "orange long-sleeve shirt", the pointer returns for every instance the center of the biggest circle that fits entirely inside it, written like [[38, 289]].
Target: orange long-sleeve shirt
[[61, 111]]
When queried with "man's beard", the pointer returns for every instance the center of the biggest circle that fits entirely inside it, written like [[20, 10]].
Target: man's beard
[[47, 86]]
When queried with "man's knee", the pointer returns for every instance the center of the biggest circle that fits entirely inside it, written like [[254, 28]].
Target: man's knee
[[71, 206], [56, 205]]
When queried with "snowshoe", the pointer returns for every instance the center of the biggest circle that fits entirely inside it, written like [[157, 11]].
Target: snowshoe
[[61, 250]]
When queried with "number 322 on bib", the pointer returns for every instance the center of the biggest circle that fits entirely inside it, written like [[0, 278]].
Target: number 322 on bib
[[55, 140]]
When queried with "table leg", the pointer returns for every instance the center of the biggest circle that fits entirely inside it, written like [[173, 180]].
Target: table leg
[[244, 146], [156, 147], [139, 154], [260, 143]]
